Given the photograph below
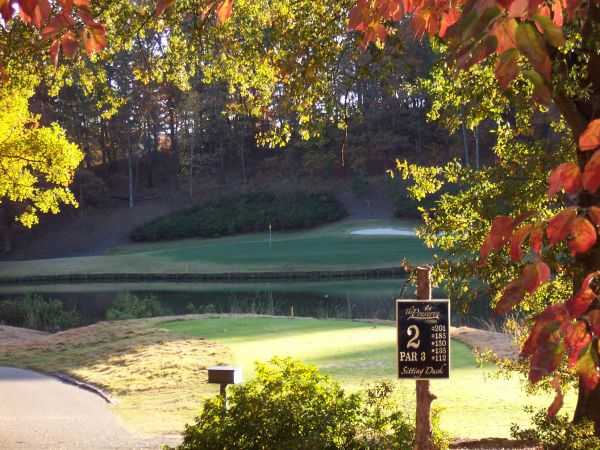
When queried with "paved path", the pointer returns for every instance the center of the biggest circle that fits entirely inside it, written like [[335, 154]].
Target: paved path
[[38, 412]]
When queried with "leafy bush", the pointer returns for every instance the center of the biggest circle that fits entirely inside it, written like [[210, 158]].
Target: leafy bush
[[128, 306], [558, 433], [200, 309], [37, 313], [292, 406], [244, 213]]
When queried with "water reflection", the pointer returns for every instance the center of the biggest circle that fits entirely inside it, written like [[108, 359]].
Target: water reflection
[[356, 299]]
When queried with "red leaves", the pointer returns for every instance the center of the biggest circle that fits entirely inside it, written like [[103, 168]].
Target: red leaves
[[94, 39], [507, 67], [581, 301], [505, 31], [448, 19], [34, 12], [69, 43], [583, 235], [543, 345], [162, 6], [533, 276], [536, 236], [62, 27], [500, 233], [554, 316], [591, 173], [358, 16], [536, 239], [590, 138], [554, 333], [576, 339], [580, 231], [559, 226], [224, 11], [516, 242], [566, 176]]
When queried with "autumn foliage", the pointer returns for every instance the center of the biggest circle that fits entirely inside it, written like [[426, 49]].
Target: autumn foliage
[[67, 26], [524, 37]]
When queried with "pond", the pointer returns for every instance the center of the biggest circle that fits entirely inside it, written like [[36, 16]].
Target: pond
[[356, 299]]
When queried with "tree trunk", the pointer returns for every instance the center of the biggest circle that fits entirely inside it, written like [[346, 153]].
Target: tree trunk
[[192, 171], [465, 145], [578, 116], [7, 239], [588, 407], [243, 156], [173, 136], [476, 135], [130, 171]]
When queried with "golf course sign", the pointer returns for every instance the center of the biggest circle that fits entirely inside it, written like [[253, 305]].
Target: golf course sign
[[423, 339]]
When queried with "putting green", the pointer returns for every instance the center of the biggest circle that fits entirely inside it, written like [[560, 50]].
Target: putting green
[[331, 247], [473, 403]]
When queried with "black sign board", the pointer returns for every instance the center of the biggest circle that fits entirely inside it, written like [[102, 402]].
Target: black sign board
[[423, 330]]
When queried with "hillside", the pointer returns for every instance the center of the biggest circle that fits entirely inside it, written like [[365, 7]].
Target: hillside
[[92, 231]]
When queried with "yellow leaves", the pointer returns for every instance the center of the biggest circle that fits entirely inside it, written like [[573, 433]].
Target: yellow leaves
[[37, 164]]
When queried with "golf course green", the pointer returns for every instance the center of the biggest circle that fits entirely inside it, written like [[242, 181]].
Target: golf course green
[[331, 247]]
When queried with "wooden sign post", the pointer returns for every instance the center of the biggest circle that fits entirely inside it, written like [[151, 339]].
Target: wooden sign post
[[423, 353]]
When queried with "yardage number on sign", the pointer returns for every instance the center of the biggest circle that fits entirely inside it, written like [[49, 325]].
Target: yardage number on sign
[[423, 335]]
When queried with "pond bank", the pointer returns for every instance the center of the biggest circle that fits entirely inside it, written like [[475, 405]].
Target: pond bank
[[384, 272]]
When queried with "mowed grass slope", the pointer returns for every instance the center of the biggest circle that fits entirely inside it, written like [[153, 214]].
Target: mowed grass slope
[[473, 403], [331, 247]]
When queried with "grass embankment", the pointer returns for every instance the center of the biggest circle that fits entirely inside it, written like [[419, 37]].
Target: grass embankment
[[473, 404], [158, 373], [331, 247]]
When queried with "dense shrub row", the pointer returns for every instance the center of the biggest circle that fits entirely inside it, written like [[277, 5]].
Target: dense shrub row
[[244, 213], [38, 313], [291, 406]]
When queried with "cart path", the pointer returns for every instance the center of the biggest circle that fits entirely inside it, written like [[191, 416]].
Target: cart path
[[39, 412]]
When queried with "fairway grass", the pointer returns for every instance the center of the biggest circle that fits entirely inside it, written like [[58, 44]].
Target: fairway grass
[[331, 247], [473, 403], [156, 369]]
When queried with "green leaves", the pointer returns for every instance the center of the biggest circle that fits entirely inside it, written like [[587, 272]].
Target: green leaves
[[552, 33], [42, 161], [532, 45], [587, 366]]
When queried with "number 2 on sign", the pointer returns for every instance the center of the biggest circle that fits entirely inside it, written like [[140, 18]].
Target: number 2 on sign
[[414, 341]]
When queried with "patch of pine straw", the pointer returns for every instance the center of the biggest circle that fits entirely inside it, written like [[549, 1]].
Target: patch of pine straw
[[157, 378]]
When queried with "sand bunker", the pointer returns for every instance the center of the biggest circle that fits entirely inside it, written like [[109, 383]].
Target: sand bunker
[[384, 232]]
